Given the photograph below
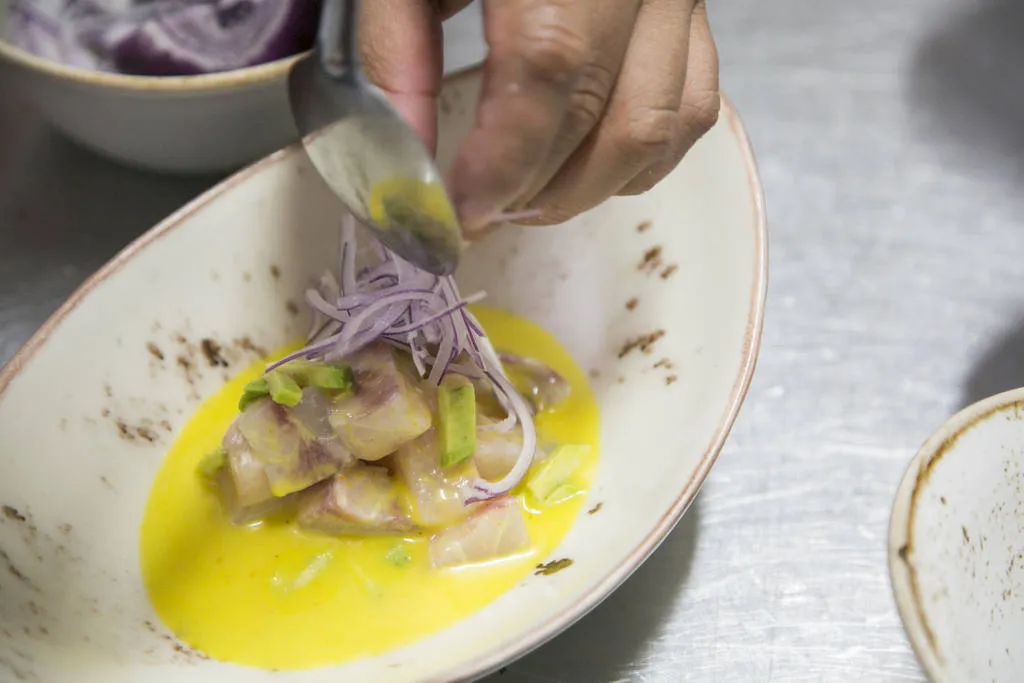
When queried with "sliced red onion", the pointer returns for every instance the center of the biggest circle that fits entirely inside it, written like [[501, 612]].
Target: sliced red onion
[[394, 301], [164, 37]]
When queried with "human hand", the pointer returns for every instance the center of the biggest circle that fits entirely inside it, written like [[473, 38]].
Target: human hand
[[582, 100]]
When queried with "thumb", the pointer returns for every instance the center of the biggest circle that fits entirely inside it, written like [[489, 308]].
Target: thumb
[[400, 42]]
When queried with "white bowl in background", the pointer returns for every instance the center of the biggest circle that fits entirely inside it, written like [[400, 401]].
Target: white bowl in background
[[956, 545], [75, 476], [184, 124]]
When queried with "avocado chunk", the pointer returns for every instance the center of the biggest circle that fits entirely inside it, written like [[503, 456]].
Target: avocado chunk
[[549, 481], [284, 390], [212, 463], [320, 375], [398, 556], [253, 391], [456, 408]]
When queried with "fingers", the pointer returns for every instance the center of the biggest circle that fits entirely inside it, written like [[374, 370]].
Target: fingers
[[537, 51], [594, 86], [700, 106], [641, 124], [400, 43]]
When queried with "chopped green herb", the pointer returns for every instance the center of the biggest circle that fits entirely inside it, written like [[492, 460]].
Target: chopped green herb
[[253, 391], [398, 556], [284, 390], [553, 567]]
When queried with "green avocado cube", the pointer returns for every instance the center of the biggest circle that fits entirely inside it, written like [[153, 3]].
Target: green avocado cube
[[456, 429]]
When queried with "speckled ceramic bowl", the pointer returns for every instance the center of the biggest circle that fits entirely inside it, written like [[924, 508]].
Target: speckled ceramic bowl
[[90, 405], [188, 124], [956, 545]]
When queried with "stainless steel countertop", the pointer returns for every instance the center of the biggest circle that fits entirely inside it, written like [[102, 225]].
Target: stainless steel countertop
[[891, 145]]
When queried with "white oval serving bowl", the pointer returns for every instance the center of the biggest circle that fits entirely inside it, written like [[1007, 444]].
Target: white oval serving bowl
[[188, 124], [88, 409], [956, 545]]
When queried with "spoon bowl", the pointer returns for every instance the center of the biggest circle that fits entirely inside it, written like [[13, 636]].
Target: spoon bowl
[[366, 153]]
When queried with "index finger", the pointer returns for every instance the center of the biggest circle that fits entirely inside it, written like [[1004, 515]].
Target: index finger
[[537, 51], [401, 49]]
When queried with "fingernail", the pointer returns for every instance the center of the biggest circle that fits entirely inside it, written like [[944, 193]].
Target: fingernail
[[473, 214]]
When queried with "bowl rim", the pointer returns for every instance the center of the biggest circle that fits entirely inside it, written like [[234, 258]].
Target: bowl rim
[[247, 76], [902, 573], [490, 661]]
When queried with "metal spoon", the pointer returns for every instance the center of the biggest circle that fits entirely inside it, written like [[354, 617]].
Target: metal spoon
[[366, 152]]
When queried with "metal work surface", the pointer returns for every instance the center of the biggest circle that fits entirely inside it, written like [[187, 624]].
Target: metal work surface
[[891, 145]]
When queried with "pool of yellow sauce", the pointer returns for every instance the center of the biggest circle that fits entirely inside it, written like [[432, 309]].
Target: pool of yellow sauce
[[273, 596]]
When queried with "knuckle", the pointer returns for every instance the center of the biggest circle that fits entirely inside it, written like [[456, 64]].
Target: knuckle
[[702, 112], [650, 133], [590, 97], [646, 180], [551, 50]]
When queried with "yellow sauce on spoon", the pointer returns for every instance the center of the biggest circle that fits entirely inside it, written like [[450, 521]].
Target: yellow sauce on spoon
[[276, 597]]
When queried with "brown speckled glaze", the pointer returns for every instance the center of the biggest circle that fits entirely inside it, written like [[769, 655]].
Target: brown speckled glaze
[[956, 544]]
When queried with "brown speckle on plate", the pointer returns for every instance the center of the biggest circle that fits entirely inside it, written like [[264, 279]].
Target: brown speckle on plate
[[671, 379], [186, 365], [664, 363], [275, 272], [644, 226], [553, 567], [12, 513], [594, 374], [632, 304], [644, 342], [246, 276], [292, 307], [668, 271], [246, 344], [13, 570], [124, 432], [211, 350], [594, 510], [155, 351], [651, 260]]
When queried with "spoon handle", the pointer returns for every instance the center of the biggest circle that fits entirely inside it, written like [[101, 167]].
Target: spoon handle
[[338, 38]]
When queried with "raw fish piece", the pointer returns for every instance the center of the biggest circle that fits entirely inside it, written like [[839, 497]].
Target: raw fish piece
[[385, 411], [495, 530], [362, 500], [439, 495]]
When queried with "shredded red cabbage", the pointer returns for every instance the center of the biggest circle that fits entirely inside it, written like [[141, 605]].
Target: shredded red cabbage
[[422, 314]]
